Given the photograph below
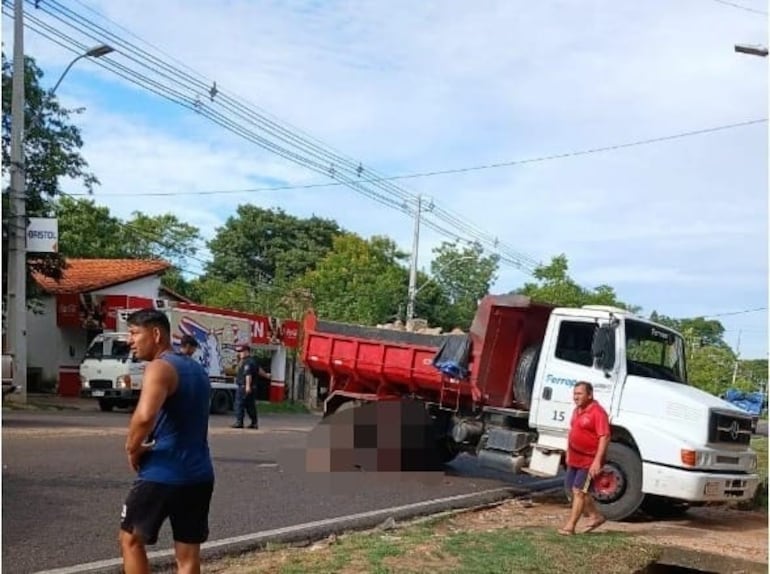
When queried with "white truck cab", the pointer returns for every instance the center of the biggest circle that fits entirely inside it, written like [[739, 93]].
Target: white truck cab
[[671, 442], [109, 373]]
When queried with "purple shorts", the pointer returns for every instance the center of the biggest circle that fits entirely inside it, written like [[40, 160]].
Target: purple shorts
[[578, 479]]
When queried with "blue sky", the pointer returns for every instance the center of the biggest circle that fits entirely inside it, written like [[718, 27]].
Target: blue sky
[[679, 226]]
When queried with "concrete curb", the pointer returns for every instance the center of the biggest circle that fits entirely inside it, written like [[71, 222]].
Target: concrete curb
[[163, 560]]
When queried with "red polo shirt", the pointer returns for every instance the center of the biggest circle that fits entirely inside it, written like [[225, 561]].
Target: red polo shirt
[[587, 426]]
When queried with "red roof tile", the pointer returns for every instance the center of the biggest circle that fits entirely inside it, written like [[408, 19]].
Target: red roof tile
[[84, 275]]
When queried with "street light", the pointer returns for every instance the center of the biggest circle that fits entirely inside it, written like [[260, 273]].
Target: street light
[[95, 52], [752, 49]]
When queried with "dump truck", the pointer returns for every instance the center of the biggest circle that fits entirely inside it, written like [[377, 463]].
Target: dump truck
[[504, 393]]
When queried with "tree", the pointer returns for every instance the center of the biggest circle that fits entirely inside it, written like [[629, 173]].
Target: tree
[[87, 230], [697, 330], [257, 244], [556, 287], [710, 368], [463, 275], [754, 373], [52, 146], [358, 281]]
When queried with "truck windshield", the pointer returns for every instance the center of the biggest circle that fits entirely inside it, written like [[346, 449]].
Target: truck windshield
[[654, 352], [108, 349]]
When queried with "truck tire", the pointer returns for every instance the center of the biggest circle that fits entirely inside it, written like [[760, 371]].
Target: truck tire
[[106, 405], [220, 402], [618, 490], [524, 376]]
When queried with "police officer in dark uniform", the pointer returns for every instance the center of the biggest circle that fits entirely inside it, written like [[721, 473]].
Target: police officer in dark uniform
[[246, 393]]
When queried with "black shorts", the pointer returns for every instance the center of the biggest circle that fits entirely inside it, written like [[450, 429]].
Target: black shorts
[[185, 505]]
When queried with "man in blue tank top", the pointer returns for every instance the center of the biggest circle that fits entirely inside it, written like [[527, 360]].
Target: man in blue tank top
[[167, 446]]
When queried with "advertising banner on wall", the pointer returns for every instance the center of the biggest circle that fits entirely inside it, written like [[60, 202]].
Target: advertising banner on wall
[[94, 312], [274, 331]]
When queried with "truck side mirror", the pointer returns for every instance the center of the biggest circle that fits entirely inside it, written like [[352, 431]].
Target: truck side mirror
[[603, 348]]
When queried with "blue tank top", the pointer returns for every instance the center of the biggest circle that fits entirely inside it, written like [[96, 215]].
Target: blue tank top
[[181, 452]]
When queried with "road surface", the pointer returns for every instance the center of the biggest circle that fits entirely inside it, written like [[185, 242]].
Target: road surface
[[65, 477]]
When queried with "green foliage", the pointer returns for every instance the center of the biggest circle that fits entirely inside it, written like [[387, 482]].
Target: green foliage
[[51, 151], [89, 231], [257, 243], [358, 281], [710, 368], [555, 286], [463, 276], [753, 374], [697, 330]]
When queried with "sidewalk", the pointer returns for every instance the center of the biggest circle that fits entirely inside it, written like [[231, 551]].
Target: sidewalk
[[50, 401]]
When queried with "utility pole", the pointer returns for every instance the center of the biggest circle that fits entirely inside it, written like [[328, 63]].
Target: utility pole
[[17, 223], [737, 358], [413, 268]]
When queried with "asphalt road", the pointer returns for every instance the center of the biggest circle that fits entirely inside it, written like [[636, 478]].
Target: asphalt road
[[65, 477]]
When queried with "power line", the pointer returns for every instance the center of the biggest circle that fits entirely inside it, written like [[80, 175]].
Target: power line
[[461, 169], [193, 92], [311, 155], [741, 7], [742, 312]]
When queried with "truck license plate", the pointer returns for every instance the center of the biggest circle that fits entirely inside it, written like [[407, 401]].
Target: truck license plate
[[97, 393], [711, 489]]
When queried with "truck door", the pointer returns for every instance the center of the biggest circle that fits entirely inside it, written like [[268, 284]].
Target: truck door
[[568, 359]]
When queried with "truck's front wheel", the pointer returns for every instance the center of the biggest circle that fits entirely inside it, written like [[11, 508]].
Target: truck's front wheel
[[220, 402], [106, 405], [618, 489]]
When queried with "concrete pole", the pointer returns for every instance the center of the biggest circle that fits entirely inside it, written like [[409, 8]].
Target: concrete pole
[[17, 248], [737, 358], [413, 267]]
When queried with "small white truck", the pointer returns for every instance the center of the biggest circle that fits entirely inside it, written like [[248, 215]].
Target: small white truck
[[110, 375]]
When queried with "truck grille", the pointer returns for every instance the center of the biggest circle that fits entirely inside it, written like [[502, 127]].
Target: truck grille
[[731, 429], [100, 384]]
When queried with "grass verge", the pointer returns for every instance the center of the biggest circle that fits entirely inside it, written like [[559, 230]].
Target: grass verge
[[282, 407], [433, 547], [759, 502]]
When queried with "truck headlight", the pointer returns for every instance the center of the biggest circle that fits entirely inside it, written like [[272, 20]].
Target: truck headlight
[[84, 382], [752, 462], [696, 458]]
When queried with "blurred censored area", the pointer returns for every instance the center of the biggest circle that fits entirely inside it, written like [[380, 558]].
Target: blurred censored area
[[384, 436]]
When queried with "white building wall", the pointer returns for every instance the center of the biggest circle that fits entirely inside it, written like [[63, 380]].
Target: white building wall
[[144, 287]]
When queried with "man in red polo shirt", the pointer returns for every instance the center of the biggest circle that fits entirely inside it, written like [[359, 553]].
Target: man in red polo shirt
[[589, 437]]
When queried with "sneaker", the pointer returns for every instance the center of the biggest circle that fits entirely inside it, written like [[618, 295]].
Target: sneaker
[[253, 426], [237, 426]]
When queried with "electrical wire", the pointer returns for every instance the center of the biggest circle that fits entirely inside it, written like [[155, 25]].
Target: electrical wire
[[190, 90], [730, 313], [343, 171], [741, 7]]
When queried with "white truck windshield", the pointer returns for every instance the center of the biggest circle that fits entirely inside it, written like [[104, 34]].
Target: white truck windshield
[[654, 352], [108, 348]]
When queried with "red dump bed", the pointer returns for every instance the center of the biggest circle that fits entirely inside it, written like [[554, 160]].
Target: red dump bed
[[382, 363]]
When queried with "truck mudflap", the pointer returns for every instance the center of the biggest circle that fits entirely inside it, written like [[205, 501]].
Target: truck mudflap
[[698, 486]]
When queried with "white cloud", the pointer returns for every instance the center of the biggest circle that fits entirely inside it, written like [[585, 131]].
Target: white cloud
[[420, 86]]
